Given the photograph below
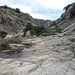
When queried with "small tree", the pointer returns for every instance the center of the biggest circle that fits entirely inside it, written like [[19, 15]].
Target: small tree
[[5, 6], [17, 10], [28, 27], [38, 30]]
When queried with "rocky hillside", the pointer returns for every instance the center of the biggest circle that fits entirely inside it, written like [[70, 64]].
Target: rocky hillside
[[68, 17], [42, 22], [66, 22], [13, 20]]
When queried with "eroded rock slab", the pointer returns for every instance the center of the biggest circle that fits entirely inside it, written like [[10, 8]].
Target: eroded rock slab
[[48, 59]]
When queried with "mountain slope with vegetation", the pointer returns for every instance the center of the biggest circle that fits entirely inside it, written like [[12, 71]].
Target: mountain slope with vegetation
[[42, 22], [13, 20]]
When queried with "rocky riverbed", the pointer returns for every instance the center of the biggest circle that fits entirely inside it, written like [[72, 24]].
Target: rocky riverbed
[[50, 55]]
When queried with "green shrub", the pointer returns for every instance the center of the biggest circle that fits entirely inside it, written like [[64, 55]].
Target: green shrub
[[5, 6], [17, 10], [38, 30], [29, 26], [41, 30]]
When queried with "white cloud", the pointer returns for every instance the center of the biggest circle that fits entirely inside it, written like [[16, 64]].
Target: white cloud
[[40, 16], [23, 8], [39, 8], [52, 3], [3, 2], [58, 4]]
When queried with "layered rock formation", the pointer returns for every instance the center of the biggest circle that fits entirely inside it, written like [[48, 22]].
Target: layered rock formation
[[12, 21]]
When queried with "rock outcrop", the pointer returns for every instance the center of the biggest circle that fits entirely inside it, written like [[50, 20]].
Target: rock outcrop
[[68, 17]]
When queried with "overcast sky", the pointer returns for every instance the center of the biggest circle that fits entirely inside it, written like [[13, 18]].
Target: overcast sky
[[42, 9]]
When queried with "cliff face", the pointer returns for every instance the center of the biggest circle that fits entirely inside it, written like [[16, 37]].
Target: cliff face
[[12, 21], [68, 17]]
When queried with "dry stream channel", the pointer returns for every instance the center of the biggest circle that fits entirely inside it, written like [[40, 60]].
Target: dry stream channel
[[49, 55]]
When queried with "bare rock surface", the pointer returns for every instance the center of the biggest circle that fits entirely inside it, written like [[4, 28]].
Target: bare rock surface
[[52, 56]]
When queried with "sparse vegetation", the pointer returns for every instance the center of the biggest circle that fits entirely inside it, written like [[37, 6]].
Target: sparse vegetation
[[29, 26], [53, 29], [35, 30], [17, 10], [6, 7], [41, 30], [38, 30], [3, 34], [53, 23]]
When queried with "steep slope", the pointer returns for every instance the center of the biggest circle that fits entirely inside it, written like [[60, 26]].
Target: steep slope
[[68, 17], [12, 21]]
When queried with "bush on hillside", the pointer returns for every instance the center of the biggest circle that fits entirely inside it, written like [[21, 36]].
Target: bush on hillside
[[35, 30], [11, 9], [29, 26], [3, 34], [5, 6], [17, 10], [38, 30]]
